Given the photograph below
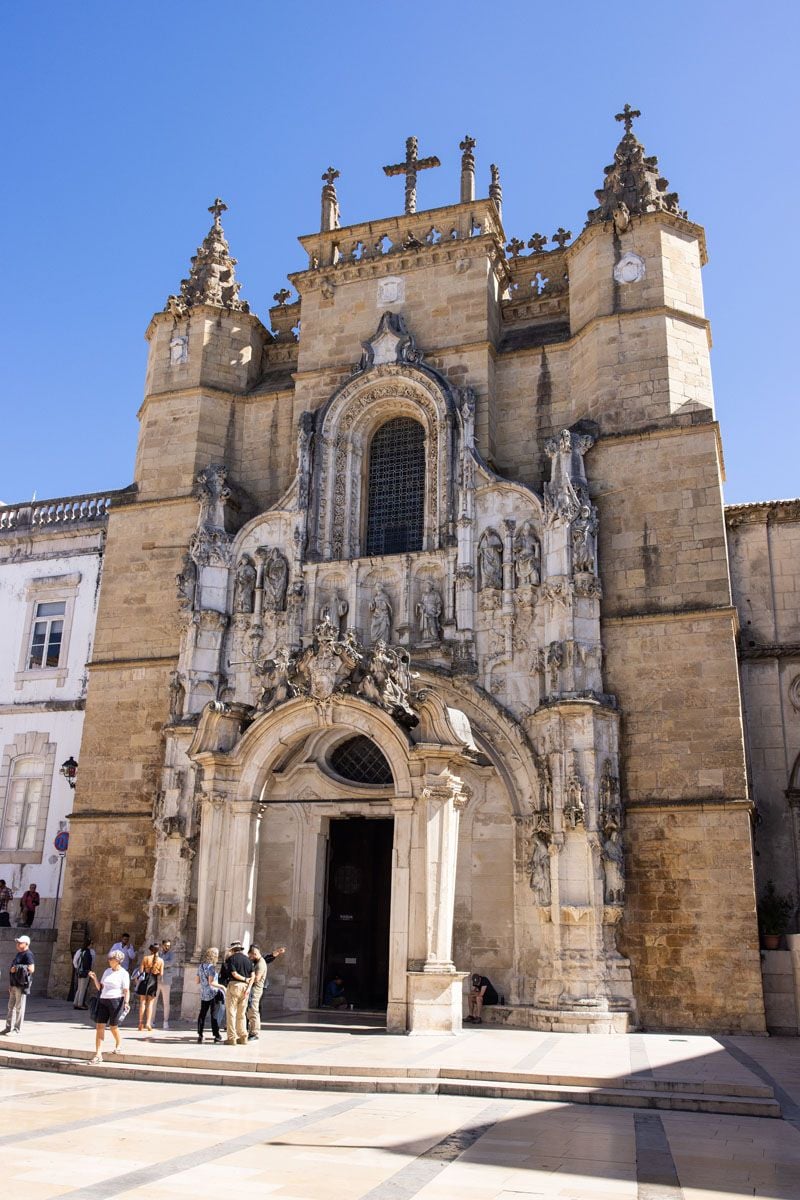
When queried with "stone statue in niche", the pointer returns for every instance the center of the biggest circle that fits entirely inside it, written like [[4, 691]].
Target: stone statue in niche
[[584, 540], [334, 612], [214, 493], [555, 660], [178, 350], [527, 556], [245, 590], [539, 870], [429, 613], [613, 868], [275, 580], [380, 625], [490, 560], [186, 579], [177, 695], [574, 811], [610, 804]]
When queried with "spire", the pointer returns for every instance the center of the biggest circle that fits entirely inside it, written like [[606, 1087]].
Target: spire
[[467, 169], [211, 275], [496, 190], [632, 183], [330, 201]]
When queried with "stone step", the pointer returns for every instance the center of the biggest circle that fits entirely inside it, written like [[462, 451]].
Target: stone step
[[384, 1080]]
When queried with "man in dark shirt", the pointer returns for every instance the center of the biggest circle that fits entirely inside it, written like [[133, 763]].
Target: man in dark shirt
[[238, 969], [20, 977], [480, 994]]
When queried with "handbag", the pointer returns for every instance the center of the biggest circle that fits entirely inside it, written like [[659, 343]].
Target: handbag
[[218, 1008]]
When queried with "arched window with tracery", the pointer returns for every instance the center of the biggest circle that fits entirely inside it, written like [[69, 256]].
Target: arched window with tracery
[[396, 488]]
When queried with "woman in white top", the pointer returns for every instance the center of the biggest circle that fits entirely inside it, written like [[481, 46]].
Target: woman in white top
[[113, 1002]]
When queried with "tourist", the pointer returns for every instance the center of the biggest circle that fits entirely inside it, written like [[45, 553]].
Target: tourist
[[211, 993], [29, 902], [334, 995], [259, 962], [479, 996], [147, 980], [113, 1003], [167, 955], [83, 962], [6, 896], [20, 978], [236, 975], [128, 950]]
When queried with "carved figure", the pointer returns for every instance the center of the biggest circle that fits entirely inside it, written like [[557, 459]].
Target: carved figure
[[613, 860], [387, 682], [177, 695], [527, 556], [275, 580], [610, 805], [539, 871], [584, 540], [178, 350], [490, 560], [621, 217], [555, 659], [245, 589], [213, 492], [334, 612], [380, 626], [574, 811], [429, 613], [186, 579], [278, 686]]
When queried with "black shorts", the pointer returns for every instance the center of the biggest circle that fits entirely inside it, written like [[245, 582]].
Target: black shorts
[[108, 1011]]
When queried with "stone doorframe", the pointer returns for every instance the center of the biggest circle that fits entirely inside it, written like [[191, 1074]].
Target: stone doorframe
[[240, 766]]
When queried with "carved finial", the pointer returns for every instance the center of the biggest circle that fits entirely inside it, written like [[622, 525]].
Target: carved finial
[[633, 184], [211, 276], [282, 296], [467, 169], [409, 167], [628, 115], [562, 236], [515, 247], [496, 189], [537, 243], [330, 201]]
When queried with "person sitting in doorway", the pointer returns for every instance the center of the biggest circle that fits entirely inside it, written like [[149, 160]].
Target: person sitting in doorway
[[481, 993], [334, 995]]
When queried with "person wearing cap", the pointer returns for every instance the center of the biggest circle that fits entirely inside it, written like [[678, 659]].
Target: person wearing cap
[[238, 975], [480, 994], [20, 977]]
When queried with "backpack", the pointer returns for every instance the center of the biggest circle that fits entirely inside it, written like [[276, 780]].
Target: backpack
[[84, 964], [224, 976]]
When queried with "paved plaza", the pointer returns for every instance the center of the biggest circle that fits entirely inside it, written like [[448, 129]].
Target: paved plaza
[[73, 1130]]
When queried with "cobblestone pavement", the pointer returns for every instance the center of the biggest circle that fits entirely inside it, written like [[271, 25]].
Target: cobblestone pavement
[[89, 1139]]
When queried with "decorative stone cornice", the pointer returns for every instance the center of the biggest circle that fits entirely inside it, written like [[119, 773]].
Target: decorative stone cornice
[[762, 512]]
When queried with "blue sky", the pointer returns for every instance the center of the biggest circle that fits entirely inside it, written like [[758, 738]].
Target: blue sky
[[122, 122]]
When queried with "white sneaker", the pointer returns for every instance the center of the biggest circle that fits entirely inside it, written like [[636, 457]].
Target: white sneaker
[[116, 1049], [98, 1058], [165, 1025]]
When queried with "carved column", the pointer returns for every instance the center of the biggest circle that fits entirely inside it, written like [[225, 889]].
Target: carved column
[[242, 869], [400, 910]]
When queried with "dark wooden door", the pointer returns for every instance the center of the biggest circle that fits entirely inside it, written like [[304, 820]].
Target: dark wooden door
[[357, 912]]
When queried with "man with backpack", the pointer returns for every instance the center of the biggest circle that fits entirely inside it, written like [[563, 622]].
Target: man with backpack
[[83, 962], [20, 977]]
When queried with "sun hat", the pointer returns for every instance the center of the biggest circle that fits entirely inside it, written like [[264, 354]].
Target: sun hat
[[24, 938]]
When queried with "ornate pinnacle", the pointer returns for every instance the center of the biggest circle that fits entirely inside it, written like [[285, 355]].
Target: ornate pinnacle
[[211, 277], [628, 115], [496, 189], [330, 175], [537, 243], [330, 201], [467, 169]]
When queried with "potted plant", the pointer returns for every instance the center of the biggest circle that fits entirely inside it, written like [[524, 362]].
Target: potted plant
[[774, 911]]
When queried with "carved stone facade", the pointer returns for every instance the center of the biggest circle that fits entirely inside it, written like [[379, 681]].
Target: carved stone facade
[[518, 653]]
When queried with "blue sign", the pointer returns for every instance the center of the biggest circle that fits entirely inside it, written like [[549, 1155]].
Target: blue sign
[[61, 841]]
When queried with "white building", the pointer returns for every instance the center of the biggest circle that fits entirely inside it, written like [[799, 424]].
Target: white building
[[51, 556]]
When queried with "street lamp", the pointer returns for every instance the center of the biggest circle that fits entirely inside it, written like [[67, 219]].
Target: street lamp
[[69, 770]]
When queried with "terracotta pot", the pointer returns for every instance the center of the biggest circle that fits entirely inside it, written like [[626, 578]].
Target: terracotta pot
[[772, 941]]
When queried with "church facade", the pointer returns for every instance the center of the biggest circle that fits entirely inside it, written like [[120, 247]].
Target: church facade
[[416, 650]]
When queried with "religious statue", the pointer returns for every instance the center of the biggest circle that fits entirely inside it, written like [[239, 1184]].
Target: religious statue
[[429, 613], [275, 580], [613, 868], [490, 559], [186, 580], [213, 492], [584, 540], [178, 350], [380, 626], [610, 806], [574, 811], [387, 682], [555, 660], [334, 611], [277, 686], [539, 871], [527, 556], [245, 587], [177, 695]]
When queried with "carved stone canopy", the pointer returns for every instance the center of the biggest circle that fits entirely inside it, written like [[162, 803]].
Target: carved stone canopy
[[212, 279], [633, 184], [391, 343]]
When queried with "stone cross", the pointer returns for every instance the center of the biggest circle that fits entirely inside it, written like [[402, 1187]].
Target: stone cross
[[537, 243], [330, 175], [282, 296], [217, 208], [515, 247], [409, 168], [562, 236], [628, 115]]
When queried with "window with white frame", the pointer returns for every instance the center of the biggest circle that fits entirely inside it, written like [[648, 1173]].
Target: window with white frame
[[22, 808], [47, 634]]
